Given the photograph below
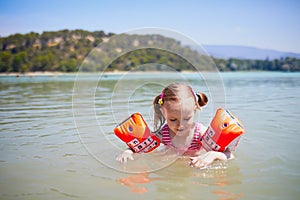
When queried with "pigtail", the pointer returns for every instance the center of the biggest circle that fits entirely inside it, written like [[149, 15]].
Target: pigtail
[[159, 120], [201, 99]]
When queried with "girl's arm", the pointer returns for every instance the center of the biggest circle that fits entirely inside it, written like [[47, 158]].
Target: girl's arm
[[206, 159]]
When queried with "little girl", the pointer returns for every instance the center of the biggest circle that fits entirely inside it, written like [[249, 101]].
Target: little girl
[[174, 119]]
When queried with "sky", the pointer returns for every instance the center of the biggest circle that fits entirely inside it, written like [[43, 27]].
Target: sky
[[267, 24]]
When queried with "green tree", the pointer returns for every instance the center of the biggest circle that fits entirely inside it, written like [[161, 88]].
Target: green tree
[[5, 61]]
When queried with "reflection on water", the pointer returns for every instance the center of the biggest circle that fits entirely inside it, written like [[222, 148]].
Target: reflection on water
[[134, 182], [44, 157]]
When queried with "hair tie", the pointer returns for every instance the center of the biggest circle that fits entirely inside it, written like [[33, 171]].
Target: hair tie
[[196, 96], [160, 100]]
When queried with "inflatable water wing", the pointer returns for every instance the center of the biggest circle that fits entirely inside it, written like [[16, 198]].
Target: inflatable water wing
[[222, 131], [136, 134]]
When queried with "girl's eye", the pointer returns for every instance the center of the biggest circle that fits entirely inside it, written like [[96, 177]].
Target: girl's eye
[[187, 119], [172, 120]]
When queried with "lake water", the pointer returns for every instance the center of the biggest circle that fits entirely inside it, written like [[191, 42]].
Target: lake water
[[57, 138]]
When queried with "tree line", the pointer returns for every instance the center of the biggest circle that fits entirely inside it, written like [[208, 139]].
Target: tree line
[[66, 50], [286, 64]]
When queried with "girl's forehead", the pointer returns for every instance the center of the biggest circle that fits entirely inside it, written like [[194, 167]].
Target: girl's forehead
[[181, 107]]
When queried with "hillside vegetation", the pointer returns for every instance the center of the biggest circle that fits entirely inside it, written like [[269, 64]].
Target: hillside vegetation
[[66, 50]]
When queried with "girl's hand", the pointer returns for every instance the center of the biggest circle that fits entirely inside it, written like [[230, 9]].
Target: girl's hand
[[206, 159], [127, 154]]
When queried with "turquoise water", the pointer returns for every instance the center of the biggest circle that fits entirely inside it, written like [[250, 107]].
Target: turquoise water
[[57, 142]]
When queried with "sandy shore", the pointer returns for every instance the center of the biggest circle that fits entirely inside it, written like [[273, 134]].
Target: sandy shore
[[33, 74]]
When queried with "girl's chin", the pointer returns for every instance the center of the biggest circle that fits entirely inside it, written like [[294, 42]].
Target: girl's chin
[[180, 133]]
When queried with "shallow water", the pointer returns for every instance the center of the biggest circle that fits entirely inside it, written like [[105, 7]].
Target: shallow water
[[57, 142]]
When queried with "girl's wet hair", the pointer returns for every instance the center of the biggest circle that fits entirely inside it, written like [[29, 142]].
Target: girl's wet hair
[[174, 92]]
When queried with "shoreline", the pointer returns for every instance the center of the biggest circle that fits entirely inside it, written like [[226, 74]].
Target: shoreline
[[47, 73], [56, 74], [32, 74]]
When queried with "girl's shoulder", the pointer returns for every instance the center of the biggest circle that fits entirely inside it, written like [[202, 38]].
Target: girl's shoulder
[[165, 136], [165, 128]]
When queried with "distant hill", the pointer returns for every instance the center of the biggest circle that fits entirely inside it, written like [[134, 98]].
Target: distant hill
[[67, 50], [244, 52]]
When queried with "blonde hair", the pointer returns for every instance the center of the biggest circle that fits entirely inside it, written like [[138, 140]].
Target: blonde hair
[[173, 93]]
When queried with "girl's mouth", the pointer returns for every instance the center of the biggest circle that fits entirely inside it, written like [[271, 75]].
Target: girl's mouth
[[180, 130]]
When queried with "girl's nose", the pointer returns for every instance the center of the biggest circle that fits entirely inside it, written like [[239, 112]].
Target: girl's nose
[[180, 124]]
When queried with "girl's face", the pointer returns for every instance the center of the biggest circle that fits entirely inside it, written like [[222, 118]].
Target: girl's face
[[180, 116]]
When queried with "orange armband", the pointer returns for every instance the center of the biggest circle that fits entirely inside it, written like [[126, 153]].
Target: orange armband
[[136, 134], [222, 131]]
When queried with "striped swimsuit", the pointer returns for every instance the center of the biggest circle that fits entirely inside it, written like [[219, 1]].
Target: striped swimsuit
[[195, 144]]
